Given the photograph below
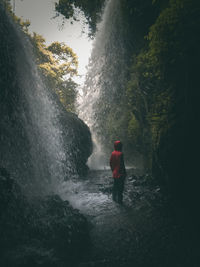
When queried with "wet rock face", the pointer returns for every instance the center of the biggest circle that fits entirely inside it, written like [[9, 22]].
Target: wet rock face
[[81, 142], [39, 140], [43, 232]]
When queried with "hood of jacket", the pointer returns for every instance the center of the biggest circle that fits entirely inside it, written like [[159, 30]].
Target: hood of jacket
[[118, 145]]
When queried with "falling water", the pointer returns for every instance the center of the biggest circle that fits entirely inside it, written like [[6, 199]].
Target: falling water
[[44, 129], [106, 76], [35, 146]]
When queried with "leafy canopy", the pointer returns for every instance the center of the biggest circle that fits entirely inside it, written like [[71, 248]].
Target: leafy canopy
[[58, 64], [90, 8]]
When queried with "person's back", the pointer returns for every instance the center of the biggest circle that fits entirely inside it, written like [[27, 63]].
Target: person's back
[[118, 171], [116, 163]]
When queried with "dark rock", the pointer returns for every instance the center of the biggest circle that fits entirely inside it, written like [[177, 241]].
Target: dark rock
[[81, 144], [43, 232]]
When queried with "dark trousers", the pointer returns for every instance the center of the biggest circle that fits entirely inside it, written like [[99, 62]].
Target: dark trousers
[[118, 188]]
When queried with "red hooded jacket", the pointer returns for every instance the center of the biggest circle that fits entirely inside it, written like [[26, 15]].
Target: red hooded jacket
[[117, 161]]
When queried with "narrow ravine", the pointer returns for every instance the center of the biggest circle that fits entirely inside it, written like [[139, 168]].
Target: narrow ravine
[[142, 88]]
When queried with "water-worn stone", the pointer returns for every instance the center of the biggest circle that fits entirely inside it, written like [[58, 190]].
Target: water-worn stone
[[43, 232]]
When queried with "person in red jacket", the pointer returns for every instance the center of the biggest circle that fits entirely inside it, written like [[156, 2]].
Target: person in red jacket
[[118, 172]]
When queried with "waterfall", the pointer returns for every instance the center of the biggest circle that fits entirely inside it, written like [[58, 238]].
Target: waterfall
[[41, 143], [43, 128], [41, 120], [106, 77]]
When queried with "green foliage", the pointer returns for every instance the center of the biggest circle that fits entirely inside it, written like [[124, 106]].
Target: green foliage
[[58, 64], [134, 129], [7, 5], [91, 8], [161, 117], [171, 42], [173, 35], [159, 90]]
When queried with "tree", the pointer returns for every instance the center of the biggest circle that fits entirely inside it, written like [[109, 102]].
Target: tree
[[58, 64], [90, 8]]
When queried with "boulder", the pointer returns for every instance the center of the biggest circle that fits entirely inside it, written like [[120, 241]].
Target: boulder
[[39, 232]]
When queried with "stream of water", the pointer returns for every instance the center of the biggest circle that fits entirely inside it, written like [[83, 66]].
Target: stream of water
[[138, 233]]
